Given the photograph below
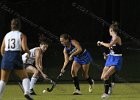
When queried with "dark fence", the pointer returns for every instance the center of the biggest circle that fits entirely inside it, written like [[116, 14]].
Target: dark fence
[[53, 62], [58, 16]]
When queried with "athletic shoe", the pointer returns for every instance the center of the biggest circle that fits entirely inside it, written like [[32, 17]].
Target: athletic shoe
[[28, 97], [32, 92], [113, 84], [77, 92], [105, 96], [110, 91], [90, 89]]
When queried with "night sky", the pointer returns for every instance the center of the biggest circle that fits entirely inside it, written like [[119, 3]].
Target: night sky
[[55, 17], [59, 16]]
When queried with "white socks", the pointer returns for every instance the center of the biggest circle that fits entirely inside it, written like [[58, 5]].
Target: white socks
[[2, 86], [26, 85], [33, 81]]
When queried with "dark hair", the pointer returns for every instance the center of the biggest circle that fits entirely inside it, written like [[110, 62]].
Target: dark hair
[[65, 36], [15, 24], [43, 39], [115, 26]]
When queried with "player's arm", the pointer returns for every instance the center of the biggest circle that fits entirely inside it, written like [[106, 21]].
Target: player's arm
[[78, 48], [38, 62], [41, 65], [105, 56], [3, 47], [108, 45], [66, 60], [24, 44], [25, 57]]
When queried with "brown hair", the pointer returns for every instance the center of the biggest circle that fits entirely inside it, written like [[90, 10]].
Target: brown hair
[[66, 36], [43, 39], [15, 24], [115, 27]]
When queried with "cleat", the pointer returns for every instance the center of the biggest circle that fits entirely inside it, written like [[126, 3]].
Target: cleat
[[110, 91], [90, 89], [113, 84], [105, 96], [32, 92], [77, 92], [28, 97]]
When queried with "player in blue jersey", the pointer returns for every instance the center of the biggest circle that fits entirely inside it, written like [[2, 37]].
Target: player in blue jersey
[[112, 78], [13, 43], [114, 59], [81, 58]]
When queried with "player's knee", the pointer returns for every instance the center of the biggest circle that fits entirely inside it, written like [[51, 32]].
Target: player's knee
[[85, 76], [105, 77], [36, 72], [102, 78], [73, 73], [23, 77], [5, 81]]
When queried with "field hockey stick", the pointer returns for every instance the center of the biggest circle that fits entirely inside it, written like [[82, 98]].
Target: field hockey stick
[[54, 84], [20, 85], [50, 81], [57, 78]]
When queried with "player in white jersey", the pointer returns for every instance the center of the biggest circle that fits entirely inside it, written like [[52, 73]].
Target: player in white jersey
[[13, 43], [35, 57]]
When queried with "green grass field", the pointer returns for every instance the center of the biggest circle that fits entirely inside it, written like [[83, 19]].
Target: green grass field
[[123, 91]]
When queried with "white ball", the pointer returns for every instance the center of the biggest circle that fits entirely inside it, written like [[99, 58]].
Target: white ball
[[51, 81], [98, 42], [44, 91]]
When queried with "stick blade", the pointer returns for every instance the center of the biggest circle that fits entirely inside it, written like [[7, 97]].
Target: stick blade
[[50, 89]]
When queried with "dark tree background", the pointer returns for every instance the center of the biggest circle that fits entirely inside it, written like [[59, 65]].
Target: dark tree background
[[58, 17]]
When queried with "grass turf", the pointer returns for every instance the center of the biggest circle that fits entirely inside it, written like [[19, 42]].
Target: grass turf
[[121, 91]]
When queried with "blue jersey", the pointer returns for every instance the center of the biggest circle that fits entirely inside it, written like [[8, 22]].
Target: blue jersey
[[115, 57], [71, 49], [82, 58]]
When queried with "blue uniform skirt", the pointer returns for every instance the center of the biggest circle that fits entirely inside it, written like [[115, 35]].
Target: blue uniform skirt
[[84, 58], [12, 60], [114, 61]]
